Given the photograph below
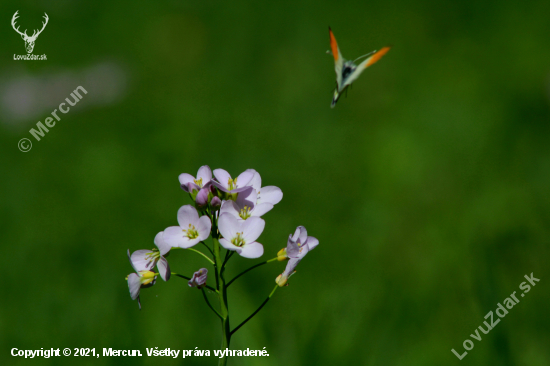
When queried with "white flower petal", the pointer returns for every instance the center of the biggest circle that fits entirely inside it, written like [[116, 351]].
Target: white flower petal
[[188, 215], [204, 227], [163, 246], [296, 234], [173, 236], [262, 209], [245, 177], [270, 194], [134, 284], [303, 234], [141, 260], [185, 179], [223, 177], [164, 269], [251, 250], [256, 181], [225, 188], [230, 207], [247, 198], [220, 186], [245, 189], [228, 226], [188, 243], [291, 266], [228, 245], [312, 242], [252, 228], [292, 249], [205, 174]]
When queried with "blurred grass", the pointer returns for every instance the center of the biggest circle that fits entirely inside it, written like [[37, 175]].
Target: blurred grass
[[427, 187]]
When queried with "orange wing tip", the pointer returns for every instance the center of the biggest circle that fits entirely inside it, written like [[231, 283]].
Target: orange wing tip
[[377, 56], [333, 45]]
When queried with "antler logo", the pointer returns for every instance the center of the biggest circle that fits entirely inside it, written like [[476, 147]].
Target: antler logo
[[29, 41]]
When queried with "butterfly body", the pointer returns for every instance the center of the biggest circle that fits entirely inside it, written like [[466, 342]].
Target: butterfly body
[[346, 70]]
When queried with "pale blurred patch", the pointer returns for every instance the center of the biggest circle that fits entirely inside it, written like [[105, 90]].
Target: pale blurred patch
[[26, 98]]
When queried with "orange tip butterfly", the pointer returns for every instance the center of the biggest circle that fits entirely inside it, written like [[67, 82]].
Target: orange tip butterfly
[[346, 70]]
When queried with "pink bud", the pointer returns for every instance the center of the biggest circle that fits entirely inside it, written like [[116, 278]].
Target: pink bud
[[216, 202], [199, 278], [202, 197]]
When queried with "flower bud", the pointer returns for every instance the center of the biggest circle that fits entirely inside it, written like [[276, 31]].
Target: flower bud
[[202, 198], [281, 281], [281, 255], [199, 278], [216, 203]]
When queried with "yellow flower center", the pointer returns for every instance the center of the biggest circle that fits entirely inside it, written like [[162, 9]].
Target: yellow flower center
[[245, 213], [198, 182], [232, 184], [238, 240], [146, 277], [192, 232], [153, 256]]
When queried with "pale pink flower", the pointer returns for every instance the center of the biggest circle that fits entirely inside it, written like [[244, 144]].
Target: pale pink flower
[[192, 229], [141, 279], [190, 183], [268, 194], [241, 236], [245, 206], [225, 183], [298, 246]]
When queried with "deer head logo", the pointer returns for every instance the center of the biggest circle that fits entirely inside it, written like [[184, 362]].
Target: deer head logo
[[29, 41]]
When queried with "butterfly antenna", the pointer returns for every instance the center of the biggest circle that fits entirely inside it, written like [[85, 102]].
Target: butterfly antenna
[[368, 54]]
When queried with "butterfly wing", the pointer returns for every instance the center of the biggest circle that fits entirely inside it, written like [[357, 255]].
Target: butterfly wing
[[363, 65], [338, 59]]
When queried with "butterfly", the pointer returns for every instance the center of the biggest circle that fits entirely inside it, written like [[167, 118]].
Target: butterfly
[[346, 70]]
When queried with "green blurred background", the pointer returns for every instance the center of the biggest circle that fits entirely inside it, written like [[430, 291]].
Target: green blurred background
[[427, 186]]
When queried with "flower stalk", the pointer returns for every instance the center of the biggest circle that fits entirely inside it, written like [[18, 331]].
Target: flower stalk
[[257, 310], [224, 313], [250, 269]]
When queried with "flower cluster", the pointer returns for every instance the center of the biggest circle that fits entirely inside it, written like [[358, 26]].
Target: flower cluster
[[229, 211]]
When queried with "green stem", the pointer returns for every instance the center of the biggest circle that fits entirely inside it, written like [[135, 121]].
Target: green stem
[[256, 312], [201, 253], [208, 302], [228, 255], [207, 247], [226, 333], [185, 277], [251, 268], [216, 277], [226, 330]]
